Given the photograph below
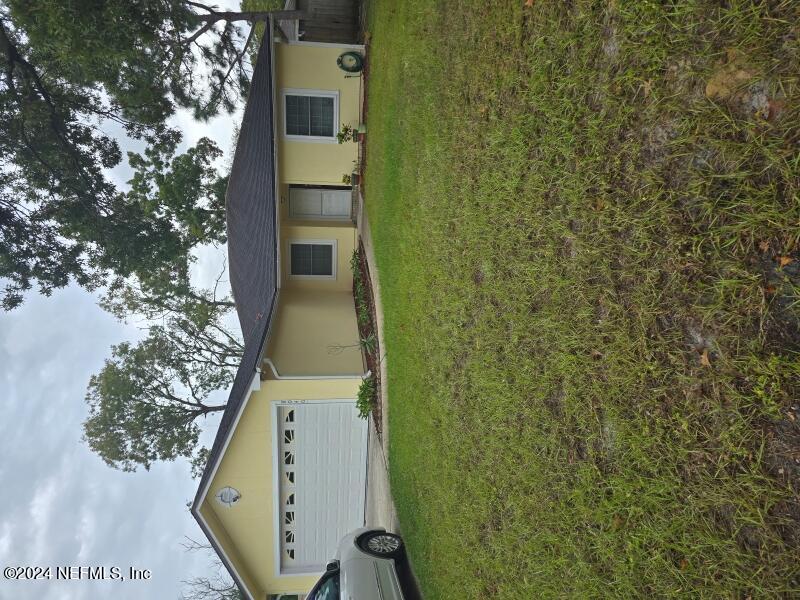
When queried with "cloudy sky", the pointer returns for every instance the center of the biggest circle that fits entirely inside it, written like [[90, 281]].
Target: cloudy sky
[[59, 504]]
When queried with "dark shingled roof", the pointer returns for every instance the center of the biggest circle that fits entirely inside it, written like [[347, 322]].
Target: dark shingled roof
[[252, 250], [250, 204]]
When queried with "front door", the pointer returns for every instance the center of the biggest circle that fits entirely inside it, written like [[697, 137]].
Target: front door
[[319, 203]]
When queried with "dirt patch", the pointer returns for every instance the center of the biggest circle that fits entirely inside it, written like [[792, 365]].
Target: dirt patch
[[611, 45], [569, 249], [737, 83], [728, 79], [368, 330], [601, 311], [748, 537], [787, 516], [574, 439], [701, 342], [781, 273], [655, 145], [554, 401], [680, 78], [604, 445], [783, 448], [478, 277]]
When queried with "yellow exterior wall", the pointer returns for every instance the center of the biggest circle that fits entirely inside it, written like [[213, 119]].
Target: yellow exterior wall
[[314, 68], [307, 328], [246, 531], [344, 234], [312, 315], [231, 549]]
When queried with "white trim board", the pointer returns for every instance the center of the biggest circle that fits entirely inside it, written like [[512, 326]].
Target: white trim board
[[225, 556], [361, 47], [229, 437]]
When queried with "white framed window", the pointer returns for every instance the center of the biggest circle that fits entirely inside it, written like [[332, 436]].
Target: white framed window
[[310, 115], [312, 259]]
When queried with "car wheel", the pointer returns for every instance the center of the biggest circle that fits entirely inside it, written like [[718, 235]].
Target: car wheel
[[381, 544]]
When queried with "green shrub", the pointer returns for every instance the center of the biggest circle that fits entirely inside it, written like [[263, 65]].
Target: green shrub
[[369, 343], [365, 400]]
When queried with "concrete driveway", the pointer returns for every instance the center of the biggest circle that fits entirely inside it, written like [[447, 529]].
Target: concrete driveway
[[380, 511]]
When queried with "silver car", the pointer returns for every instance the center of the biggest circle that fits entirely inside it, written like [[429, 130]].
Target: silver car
[[364, 568]]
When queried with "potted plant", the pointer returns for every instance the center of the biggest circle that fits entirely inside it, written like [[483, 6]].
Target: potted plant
[[347, 134]]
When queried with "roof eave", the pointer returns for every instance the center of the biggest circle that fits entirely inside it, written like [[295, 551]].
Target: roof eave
[[263, 334]]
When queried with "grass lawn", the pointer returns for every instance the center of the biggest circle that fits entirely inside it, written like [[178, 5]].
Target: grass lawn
[[587, 227]]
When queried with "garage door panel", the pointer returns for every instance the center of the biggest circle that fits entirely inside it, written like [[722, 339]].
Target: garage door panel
[[329, 451]]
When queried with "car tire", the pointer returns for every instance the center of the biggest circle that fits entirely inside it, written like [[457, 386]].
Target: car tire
[[381, 544]]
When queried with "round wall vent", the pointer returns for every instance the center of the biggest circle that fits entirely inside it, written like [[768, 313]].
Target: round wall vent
[[228, 496]]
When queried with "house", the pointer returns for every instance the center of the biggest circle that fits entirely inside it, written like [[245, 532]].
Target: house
[[285, 478]]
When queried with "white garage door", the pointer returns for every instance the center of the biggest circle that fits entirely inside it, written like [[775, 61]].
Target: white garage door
[[320, 203], [323, 465]]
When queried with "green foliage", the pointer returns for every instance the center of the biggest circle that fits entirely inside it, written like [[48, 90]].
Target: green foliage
[[369, 344], [565, 235], [70, 70], [347, 134], [145, 401], [199, 461], [362, 314], [259, 27], [184, 189], [146, 56], [365, 399]]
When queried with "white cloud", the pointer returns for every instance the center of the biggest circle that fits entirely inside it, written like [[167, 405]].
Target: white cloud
[[86, 535], [40, 512], [5, 542], [60, 505]]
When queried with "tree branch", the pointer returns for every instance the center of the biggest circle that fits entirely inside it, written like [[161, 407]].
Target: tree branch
[[208, 25], [201, 6], [56, 123], [238, 60]]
